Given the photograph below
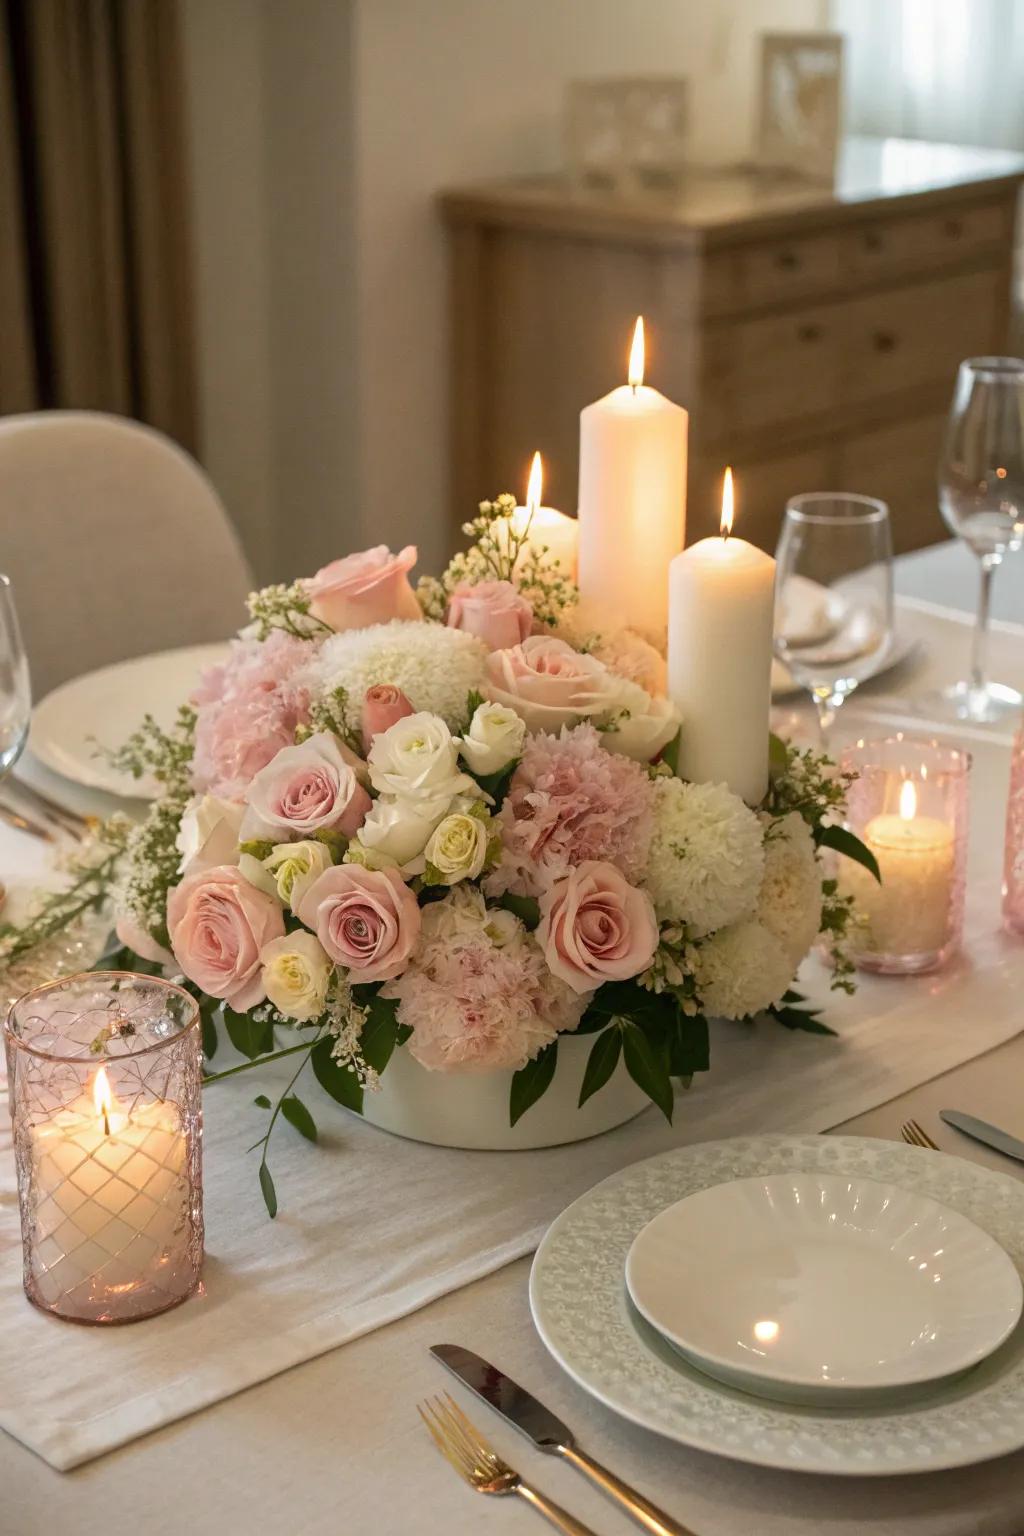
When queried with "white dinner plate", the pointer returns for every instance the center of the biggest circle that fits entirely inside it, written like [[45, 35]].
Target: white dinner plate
[[584, 1316], [105, 707], [901, 649], [815, 1287]]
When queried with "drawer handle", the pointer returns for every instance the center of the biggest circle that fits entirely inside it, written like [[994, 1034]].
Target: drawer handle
[[954, 228], [873, 240], [787, 260], [885, 341], [808, 332]]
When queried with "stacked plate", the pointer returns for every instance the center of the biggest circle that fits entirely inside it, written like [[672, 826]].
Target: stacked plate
[[835, 1305]]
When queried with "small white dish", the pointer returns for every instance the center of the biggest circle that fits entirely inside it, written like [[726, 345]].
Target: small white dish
[[820, 1288], [107, 706]]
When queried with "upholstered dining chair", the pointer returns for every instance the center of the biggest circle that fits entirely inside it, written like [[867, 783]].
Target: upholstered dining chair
[[115, 541]]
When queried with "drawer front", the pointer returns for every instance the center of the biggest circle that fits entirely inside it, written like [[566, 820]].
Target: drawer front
[[886, 246], [784, 270], [775, 370], [899, 464], [917, 335]]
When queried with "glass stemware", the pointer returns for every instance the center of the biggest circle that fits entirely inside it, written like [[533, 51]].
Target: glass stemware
[[15, 689], [833, 595], [981, 497]]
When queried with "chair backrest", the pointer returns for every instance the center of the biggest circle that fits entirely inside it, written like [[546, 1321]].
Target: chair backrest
[[115, 541]]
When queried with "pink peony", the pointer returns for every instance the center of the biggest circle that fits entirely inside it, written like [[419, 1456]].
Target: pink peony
[[549, 684], [367, 920], [570, 801], [304, 789], [478, 995], [368, 588], [218, 924], [493, 611], [383, 706], [596, 927], [248, 709]]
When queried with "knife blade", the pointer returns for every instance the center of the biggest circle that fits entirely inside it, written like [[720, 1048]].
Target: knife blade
[[988, 1135], [522, 1410]]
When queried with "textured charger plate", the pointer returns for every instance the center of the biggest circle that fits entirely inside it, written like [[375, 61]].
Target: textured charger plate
[[583, 1314]]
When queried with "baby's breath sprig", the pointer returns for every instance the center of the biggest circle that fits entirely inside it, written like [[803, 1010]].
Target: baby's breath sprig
[[91, 870], [671, 969], [807, 782], [333, 712], [285, 607], [500, 551], [163, 755]]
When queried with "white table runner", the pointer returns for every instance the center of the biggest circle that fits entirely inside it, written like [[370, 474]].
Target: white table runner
[[372, 1227]]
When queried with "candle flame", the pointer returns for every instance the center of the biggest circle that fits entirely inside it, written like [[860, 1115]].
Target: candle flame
[[103, 1098], [725, 528], [535, 485], [908, 801], [636, 355]]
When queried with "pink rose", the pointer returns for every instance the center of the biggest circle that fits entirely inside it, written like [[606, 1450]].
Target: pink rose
[[549, 685], [493, 611], [134, 937], [218, 924], [367, 920], [368, 588], [307, 788], [382, 707], [596, 927]]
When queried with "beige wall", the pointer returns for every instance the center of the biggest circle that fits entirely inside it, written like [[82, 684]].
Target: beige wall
[[368, 108]]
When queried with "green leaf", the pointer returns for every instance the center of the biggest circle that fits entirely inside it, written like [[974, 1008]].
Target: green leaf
[[670, 752], [531, 1082], [342, 1085], [296, 1113], [805, 1019], [778, 752], [261, 1101], [208, 1028], [647, 1068], [246, 1035], [526, 908], [269, 1192], [257, 847], [380, 1032], [404, 1034], [849, 844], [689, 1045], [496, 784], [601, 1063]]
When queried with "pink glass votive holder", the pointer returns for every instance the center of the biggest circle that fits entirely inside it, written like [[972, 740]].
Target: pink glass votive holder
[[105, 1073], [909, 805], [1013, 861]]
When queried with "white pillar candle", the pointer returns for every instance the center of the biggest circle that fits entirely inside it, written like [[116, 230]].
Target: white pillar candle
[[721, 594], [632, 499], [543, 528], [909, 913]]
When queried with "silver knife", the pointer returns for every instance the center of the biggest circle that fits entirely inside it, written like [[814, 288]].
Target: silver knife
[[549, 1434], [988, 1135]]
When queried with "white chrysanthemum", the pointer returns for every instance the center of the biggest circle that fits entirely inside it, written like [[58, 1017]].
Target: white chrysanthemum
[[789, 905], [435, 667], [741, 970], [706, 857]]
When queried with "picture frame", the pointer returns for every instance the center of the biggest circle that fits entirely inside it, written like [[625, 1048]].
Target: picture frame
[[800, 103], [626, 133]]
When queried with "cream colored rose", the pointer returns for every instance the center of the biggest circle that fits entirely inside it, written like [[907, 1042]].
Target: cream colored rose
[[208, 834], [396, 831], [416, 759], [294, 867], [643, 728], [296, 973], [457, 849], [494, 739]]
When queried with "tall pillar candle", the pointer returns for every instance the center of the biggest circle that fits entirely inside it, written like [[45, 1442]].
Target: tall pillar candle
[[632, 498], [721, 595]]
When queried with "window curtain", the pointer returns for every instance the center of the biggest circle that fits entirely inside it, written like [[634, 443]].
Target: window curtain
[[95, 291], [947, 70]]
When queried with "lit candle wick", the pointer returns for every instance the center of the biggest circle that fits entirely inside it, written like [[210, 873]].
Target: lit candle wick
[[102, 1098], [725, 526], [636, 356]]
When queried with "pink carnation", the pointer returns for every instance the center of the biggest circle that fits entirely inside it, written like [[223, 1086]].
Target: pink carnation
[[570, 802], [248, 709], [478, 996]]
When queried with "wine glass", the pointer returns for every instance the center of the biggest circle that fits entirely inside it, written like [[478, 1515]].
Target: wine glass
[[15, 689], [981, 497], [833, 595]]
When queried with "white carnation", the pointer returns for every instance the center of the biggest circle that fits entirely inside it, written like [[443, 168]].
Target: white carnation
[[741, 970], [435, 667], [706, 857], [789, 905]]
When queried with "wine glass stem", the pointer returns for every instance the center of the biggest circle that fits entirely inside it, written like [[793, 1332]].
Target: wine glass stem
[[979, 644], [827, 705]]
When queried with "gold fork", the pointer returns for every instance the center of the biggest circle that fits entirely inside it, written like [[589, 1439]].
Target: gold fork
[[478, 1463], [912, 1133]]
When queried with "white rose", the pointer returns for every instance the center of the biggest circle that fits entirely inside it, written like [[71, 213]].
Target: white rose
[[397, 830], [208, 834], [417, 759], [458, 847], [645, 726], [294, 867], [494, 739], [296, 972]]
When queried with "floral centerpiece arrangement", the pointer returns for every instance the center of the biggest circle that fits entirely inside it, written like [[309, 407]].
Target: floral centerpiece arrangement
[[446, 821]]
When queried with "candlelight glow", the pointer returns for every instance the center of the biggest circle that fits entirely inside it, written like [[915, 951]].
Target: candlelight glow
[[535, 485], [102, 1097], [636, 354], [727, 505], [766, 1331], [908, 801]]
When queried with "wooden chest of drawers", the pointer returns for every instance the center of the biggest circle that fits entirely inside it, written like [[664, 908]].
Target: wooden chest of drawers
[[813, 334]]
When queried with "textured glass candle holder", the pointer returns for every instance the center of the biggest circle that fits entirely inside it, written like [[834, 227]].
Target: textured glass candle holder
[[908, 804], [105, 1072], [1013, 863]]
